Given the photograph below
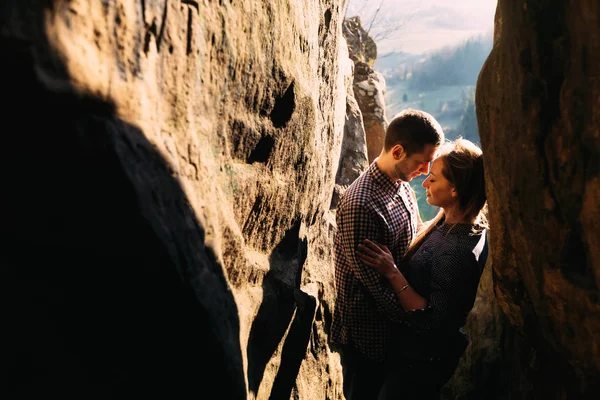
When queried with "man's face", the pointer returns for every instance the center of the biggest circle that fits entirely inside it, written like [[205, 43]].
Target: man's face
[[409, 167]]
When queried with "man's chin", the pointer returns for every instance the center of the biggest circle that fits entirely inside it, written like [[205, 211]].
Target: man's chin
[[409, 177]]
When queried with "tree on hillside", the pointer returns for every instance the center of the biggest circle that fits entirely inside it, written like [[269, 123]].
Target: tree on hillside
[[376, 16]]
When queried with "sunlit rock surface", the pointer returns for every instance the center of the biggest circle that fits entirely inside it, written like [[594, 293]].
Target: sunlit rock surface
[[168, 168], [353, 156], [361, 45], [369, 85], [369, 90]]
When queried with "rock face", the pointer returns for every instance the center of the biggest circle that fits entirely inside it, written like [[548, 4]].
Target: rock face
[[167, 175], [361, 46], [168, 169], [369, 85], [369, 90], [353, 156], [537, 107]]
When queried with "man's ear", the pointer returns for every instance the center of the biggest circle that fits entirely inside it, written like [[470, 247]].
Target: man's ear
[[397, 151]]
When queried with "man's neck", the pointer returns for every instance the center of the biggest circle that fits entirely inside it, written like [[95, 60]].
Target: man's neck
[[386, 166]]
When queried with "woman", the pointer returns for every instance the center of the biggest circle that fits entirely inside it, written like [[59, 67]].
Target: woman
[[438, 278]]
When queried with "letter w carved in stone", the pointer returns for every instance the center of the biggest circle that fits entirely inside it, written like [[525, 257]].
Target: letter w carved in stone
[[150, 13]]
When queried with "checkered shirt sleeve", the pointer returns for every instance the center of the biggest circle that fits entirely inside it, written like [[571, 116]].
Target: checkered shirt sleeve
[[378, 209], [358, 222]]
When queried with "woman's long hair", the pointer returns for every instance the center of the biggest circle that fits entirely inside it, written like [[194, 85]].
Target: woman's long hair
[[463, 167]]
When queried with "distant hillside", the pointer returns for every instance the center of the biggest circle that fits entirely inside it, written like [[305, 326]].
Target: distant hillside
[[393, 61], [451, 66], [458, 65], [394, 66]]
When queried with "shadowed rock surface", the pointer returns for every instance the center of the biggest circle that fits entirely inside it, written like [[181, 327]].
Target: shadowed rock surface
[[537, 107]]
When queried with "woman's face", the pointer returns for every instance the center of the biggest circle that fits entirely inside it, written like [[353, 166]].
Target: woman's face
[[439, 191]]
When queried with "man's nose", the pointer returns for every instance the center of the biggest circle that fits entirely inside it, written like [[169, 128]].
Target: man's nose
[[424, 168]]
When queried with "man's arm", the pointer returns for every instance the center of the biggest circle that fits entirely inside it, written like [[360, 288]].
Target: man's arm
[[356, 223]]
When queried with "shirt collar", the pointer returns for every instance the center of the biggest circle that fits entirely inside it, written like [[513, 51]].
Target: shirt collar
[[382, 179]]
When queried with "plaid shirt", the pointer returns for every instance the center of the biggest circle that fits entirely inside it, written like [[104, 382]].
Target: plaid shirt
[[376, 208]]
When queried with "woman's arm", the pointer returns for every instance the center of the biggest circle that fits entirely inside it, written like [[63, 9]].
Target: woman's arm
[[380, 258]]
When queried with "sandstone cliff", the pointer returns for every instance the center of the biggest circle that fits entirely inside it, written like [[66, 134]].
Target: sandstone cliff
[[167, 170], [368, 85]]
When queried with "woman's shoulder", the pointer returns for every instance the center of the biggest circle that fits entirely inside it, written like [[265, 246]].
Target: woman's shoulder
[[458, 242]]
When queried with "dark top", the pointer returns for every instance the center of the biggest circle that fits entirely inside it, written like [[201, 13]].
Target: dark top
[[376, 208], [445, 270]]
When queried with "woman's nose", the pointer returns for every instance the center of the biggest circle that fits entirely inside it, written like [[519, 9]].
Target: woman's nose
[[425, 183]]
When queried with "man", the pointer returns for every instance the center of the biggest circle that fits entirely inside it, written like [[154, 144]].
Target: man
[[381, 206]]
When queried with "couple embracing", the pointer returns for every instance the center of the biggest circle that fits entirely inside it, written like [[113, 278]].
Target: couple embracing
[[404, 286]]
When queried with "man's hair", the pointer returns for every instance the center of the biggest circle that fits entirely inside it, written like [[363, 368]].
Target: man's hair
[[413, 129]]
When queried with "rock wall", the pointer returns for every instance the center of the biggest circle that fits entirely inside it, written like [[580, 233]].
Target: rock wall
[[361, 46], [369, 90], [353, 156], [369, 85], [167, 170], [537, 108]]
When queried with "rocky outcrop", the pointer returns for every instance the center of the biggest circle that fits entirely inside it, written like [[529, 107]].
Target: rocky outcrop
[[361, 46], [167, 175], [353, 156], [369, 90], [537, 110], [369, 85]]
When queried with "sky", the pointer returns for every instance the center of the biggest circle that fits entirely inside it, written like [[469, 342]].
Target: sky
[[420, 26]]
